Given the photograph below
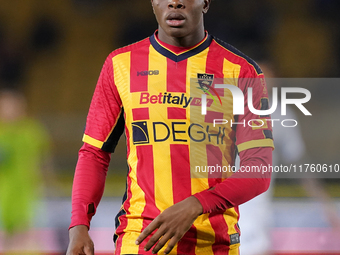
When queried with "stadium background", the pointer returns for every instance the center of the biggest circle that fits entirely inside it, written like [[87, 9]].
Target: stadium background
[[53, 51]]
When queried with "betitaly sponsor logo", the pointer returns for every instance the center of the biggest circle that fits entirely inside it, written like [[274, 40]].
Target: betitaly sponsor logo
[[172, 99]]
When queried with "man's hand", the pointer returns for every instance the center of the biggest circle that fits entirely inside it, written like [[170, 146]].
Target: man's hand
[[172, 224], [80, 241]]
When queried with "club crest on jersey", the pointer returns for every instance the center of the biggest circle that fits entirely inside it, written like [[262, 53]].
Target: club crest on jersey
[[205, 82]]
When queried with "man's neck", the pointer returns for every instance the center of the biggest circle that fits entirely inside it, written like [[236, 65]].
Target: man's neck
[[185, 41], [175, 49]]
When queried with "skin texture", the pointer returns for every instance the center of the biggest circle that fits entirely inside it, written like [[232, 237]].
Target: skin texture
[[191, 31], [80, 241], [185, 30], [172, 224]]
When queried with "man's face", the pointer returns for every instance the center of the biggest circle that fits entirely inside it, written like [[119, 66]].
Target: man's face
[[179, 18]]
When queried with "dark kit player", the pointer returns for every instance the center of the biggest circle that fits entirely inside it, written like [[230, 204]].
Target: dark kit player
[[165, 208]]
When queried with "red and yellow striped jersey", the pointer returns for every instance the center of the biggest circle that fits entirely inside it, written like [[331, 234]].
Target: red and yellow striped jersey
[[153, 92]]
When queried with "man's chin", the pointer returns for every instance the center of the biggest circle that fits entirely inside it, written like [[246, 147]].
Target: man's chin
[[177, 32]]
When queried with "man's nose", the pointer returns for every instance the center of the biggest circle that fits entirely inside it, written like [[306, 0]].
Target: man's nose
[[176, 4]]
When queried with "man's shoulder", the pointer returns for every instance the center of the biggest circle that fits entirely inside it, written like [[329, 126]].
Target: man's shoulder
[[140, 45], [233, 54]]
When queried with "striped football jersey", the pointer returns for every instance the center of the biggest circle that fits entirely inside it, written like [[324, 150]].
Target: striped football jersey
[[154, 94]]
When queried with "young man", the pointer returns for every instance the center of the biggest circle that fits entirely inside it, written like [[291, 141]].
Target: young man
[[148, 89]]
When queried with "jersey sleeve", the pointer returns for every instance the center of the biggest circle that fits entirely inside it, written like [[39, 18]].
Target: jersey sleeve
[[105, 120], [88, 183], [254, 130], [104, 126], [242, 185]]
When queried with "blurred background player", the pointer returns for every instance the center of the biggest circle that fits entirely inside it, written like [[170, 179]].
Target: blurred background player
[[24, 144]]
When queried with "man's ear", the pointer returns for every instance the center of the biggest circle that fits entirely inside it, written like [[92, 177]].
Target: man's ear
[[206, 6], [152, 6]]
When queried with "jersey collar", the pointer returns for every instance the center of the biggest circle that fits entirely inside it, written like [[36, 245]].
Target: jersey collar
[[169, 51]]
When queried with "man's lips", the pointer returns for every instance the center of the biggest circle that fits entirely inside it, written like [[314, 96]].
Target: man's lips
[[175, 19]]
